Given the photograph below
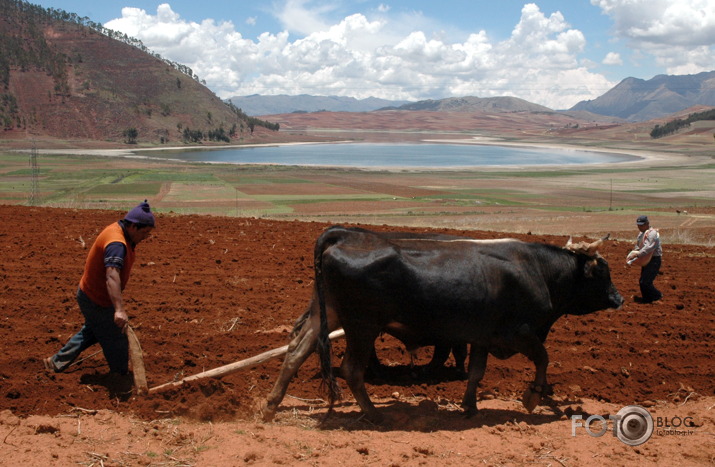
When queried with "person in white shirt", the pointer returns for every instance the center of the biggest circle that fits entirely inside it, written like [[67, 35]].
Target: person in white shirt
[[647, 245]]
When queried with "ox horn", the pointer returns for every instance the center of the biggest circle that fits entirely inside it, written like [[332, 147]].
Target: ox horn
[[579, 247], [592, 248]]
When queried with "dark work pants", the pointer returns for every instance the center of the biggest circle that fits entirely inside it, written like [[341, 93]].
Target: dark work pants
[[648, 275], [99, 328]]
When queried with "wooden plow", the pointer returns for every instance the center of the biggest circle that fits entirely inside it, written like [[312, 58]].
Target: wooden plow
[[236, 366]]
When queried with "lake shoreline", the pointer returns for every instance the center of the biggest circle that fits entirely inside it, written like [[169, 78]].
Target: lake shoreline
[[643, 157]]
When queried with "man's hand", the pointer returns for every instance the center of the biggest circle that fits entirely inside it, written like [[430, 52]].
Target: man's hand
[[121, 319], [632, 257]]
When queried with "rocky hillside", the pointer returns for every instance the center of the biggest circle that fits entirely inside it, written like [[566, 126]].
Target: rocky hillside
[[64, 77], [637, 100]]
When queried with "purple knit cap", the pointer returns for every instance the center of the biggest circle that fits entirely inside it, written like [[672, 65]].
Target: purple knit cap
[[141, 214]]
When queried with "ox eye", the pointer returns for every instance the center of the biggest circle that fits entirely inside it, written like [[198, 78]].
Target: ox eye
[[599, 272]]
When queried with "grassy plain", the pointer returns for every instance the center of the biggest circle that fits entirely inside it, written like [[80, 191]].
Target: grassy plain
[[676, 175], [579, 201]]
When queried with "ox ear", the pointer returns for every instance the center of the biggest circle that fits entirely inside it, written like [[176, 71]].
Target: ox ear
[[588, 268]]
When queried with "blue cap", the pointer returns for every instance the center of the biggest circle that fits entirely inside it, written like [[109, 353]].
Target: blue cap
[[141, 214]]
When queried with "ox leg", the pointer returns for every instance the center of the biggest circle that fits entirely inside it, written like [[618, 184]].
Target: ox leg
[[439, 358], [374, 367], [357, 356], [459, 352], [477, 367], [299, 349], [536, 352]]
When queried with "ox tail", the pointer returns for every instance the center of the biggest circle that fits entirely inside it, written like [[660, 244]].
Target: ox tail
[[299, 323], [323, 345]]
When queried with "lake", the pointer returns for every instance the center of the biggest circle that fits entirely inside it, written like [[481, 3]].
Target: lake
[[371, 155]]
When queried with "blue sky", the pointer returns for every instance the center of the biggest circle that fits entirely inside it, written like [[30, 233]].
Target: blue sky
[[554, 53]]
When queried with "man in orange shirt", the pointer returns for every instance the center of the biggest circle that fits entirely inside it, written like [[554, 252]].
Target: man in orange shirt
[[106, 272]]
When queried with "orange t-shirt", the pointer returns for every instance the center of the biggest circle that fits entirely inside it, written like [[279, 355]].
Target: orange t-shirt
[[94, 278]]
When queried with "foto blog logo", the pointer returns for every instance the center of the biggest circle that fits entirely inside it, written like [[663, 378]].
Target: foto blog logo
[[632, 425]]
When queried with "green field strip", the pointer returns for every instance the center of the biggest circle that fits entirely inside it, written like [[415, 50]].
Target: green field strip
[[283, 198]]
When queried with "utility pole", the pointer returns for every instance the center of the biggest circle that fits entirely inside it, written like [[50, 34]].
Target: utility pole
[[35, 169], [610, 202]]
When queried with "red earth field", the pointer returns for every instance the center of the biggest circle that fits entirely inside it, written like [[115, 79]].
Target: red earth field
[[208, 291]]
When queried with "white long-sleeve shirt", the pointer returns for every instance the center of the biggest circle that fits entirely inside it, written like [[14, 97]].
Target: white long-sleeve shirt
[[647, 242]]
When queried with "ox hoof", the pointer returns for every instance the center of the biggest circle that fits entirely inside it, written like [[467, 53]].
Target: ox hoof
[[267, 414], [469, 412], [531, 399], [380, 420], [376, 418]]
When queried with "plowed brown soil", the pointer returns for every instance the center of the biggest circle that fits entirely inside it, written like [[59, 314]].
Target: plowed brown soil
[[208, 291]]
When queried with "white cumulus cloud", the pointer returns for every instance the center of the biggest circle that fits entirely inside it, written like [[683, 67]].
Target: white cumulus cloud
[[680, 34], [612, 58], [363, 56]]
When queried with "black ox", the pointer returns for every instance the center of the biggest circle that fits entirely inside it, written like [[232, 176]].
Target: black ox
[[411, 338], [500, 296]]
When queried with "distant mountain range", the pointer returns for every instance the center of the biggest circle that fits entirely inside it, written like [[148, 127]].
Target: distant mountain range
[[472, 104], [632, 99], [256, 104], [283, 104], [636, 100]]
